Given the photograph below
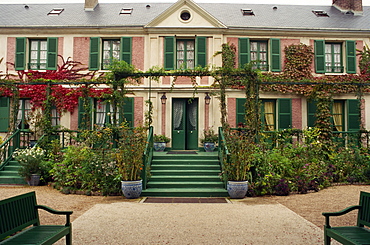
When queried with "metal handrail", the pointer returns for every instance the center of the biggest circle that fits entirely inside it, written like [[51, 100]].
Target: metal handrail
[[8, 147], [223, 153], [147, 157]]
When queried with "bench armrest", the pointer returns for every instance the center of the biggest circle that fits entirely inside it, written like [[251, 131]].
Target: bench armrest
[[53, 211], [339, 213]]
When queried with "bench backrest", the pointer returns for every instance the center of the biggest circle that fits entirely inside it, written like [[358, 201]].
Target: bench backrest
[[17, 213], [364, 213]]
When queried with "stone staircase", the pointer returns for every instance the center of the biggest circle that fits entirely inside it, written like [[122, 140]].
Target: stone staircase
[[9, 175], [185, 175]]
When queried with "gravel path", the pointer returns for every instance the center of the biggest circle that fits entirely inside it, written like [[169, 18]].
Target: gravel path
[[281, 211]]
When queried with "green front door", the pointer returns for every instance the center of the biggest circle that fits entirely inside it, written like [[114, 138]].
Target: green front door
[[185, 124]]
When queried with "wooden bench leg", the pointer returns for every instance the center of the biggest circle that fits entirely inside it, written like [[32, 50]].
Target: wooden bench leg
[[327, 239], [69, 239]]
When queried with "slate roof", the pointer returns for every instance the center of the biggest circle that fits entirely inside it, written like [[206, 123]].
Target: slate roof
[[107, 15]]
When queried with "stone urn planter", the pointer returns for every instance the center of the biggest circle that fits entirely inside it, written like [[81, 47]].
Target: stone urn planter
[[159, 146], [34, 180], [237, 189], [209, 146], [132, 189]]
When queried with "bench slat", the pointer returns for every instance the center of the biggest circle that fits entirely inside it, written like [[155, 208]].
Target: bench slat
[[45, 234]]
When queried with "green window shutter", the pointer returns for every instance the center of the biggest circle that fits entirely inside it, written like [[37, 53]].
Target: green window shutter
[[353, 115], [351, 56], [311, 113], [84, 120], [169, 53], [52, 56], [275, 55], [126, 49], [128, 111], [284, 114], [20, 53], [4, 114], [244, 54], [201, 51], [94, 53], [240, 111], [320, 56]]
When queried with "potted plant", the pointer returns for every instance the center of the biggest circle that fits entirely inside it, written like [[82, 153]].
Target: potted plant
[[30, 160], [237, 169], [129, 159], [160, 141], [209, 139]]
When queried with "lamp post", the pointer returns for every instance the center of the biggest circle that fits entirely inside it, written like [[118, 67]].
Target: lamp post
[[163, 101], [207, 100]]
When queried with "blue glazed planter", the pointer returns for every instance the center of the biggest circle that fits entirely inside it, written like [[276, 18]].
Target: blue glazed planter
[[237, 189], [159, 146], [132, 189], [209, 147]]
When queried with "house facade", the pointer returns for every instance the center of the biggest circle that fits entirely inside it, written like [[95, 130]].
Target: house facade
[[185, 35]]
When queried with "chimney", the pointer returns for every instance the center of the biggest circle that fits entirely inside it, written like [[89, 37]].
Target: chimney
[[349, 6], [90, 5]]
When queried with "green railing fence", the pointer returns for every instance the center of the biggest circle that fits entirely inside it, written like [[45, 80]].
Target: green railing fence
[[147, 157], [20, 139], [223, 152]]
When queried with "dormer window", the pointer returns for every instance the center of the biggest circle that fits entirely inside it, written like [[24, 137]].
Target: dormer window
[[126, 11], [247, 12], [56, 11], [320, 13]]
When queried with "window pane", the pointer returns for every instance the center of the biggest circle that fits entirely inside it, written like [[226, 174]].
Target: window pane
[[253, 46]]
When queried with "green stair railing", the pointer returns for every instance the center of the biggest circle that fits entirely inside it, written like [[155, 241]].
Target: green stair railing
[[20, 139], [223, 153], [147, 158]]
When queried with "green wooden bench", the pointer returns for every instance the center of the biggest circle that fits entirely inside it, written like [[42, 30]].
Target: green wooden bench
[[358, 234], [19, 215]]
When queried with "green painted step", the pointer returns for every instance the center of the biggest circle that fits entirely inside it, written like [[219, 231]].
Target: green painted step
[[181, 167], [185, 172], [185, 175], [185, 192], [185, 184], [9, 174], [179, 178]]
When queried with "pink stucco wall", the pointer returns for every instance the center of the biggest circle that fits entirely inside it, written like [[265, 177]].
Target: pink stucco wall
[[231, 112], [81, 50], [297, 113], [11, 52], [138, 52], [359, 46], [74, 119], [283, 44], [138, 111]]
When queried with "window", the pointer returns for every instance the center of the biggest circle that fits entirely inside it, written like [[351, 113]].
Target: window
[[43, 53], [111, 51], [184, 53], [24, 110], [56, 11], [38, 55], [320, 13], [329, 57], [265, 53], [4, 114], [345, 115], [55, 117], [126, 11], [276, 114], [104, 51], [102, 113], [259, 54], [247, 12]]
